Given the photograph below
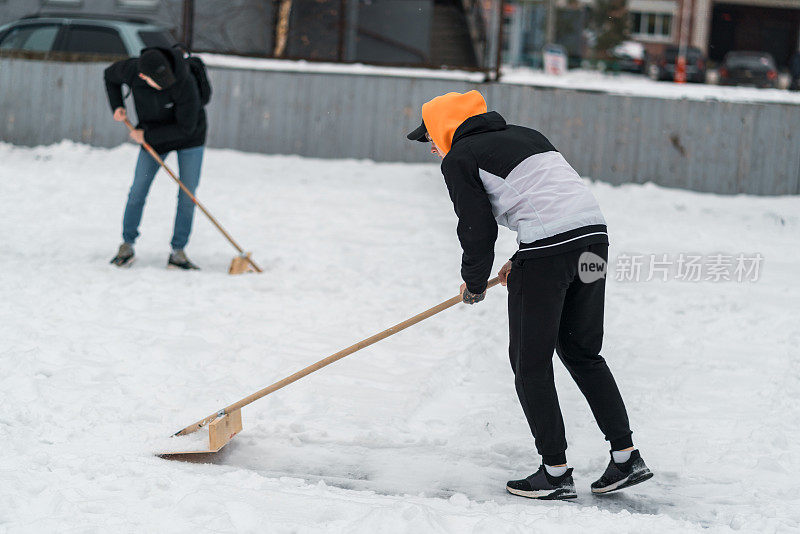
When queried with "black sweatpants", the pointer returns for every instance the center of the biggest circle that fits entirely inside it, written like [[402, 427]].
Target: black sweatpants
[[550, 308]]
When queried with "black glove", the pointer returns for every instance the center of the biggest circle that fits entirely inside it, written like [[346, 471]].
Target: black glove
[[472, 298]]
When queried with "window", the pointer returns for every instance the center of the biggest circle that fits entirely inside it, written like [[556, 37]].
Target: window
[[31, 37], [657, 25], [141, 4], [156, 38], [666, 25], [84, 39]]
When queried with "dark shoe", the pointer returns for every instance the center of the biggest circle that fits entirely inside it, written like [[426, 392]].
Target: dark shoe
[[178, 260], [618, 476], [124, 257], [541, 485]]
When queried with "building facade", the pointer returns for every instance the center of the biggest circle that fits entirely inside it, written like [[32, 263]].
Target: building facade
[[718, 26]]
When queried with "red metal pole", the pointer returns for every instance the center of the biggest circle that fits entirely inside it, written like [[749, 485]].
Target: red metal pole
[[680, 64]]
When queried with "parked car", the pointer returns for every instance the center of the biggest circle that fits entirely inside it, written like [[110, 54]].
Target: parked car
[[628, 56], [83, 35], [748, 68], [662, 68]]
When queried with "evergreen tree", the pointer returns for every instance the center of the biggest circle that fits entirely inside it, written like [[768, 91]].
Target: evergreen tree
[[609, 22]]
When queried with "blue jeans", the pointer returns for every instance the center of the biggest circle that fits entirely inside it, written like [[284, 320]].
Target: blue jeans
[[189, 163]]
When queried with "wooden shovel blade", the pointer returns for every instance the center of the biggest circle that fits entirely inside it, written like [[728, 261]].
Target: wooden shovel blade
[[241, 264], [220, 432]]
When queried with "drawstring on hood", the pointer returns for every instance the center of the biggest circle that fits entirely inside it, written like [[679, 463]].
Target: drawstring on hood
[[444, 114]]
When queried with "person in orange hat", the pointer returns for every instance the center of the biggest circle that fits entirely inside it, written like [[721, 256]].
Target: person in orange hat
[[497, 173]]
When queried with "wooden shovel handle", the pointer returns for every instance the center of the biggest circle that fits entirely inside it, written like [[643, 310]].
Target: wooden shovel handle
[[194, 199], [329, 360]]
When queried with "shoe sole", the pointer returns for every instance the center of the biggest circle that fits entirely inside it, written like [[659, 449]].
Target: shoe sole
[[544, 495], [179, 268], [124, 265], [636, 478]]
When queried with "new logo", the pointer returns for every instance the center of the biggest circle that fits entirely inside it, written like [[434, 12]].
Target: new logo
[[591, 267]]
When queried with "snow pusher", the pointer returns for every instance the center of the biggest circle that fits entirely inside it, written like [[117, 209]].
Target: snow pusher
[[241, 263], [224, 424]]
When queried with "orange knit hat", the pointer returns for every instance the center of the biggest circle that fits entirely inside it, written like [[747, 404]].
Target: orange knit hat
[[445, 113]]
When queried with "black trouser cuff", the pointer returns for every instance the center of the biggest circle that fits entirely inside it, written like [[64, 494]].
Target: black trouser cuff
[[621, 443], [555, 459]]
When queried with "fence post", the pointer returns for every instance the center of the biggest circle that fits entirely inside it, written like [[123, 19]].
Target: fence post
[[501, 13], [188, 23]]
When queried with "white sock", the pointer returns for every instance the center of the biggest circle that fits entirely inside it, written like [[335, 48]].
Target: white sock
[[620, 457], [555, 471]]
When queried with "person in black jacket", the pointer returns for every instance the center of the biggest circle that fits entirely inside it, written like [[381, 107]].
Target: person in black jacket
[[171, 117], [511, 175]]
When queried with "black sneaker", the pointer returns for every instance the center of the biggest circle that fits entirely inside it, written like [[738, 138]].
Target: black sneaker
[[178, 260], [124, 257], [618, 476], [541, 485]]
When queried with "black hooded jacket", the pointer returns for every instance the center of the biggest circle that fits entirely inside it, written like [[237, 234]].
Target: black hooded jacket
[[173, 118], [498, 173]]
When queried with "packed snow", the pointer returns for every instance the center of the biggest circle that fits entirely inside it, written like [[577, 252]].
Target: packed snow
[[577, 79], [418, 433]]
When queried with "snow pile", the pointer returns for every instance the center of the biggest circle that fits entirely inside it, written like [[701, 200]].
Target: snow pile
[[416, 434], [639, 85], [283, 65], [577, 79]]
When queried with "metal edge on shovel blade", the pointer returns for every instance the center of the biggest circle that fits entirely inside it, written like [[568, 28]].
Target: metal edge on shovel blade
[[220, 432]]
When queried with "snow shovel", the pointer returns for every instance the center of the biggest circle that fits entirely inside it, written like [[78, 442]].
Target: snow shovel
[[224, 424], [241, 263]]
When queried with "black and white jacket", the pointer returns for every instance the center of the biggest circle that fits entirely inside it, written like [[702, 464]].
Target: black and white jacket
[[499, 173]]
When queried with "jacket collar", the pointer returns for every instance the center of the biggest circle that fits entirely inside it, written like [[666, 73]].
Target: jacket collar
[[485, 122]]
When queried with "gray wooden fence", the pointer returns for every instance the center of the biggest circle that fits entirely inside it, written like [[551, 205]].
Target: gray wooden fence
[[718, 147]]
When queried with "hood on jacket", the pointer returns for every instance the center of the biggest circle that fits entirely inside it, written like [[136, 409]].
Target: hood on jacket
[[445, 113], [174, 63], [491, 121]]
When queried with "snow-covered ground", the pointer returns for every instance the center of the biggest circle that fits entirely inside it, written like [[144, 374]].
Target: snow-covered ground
[[416, 434], [578, 79]]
